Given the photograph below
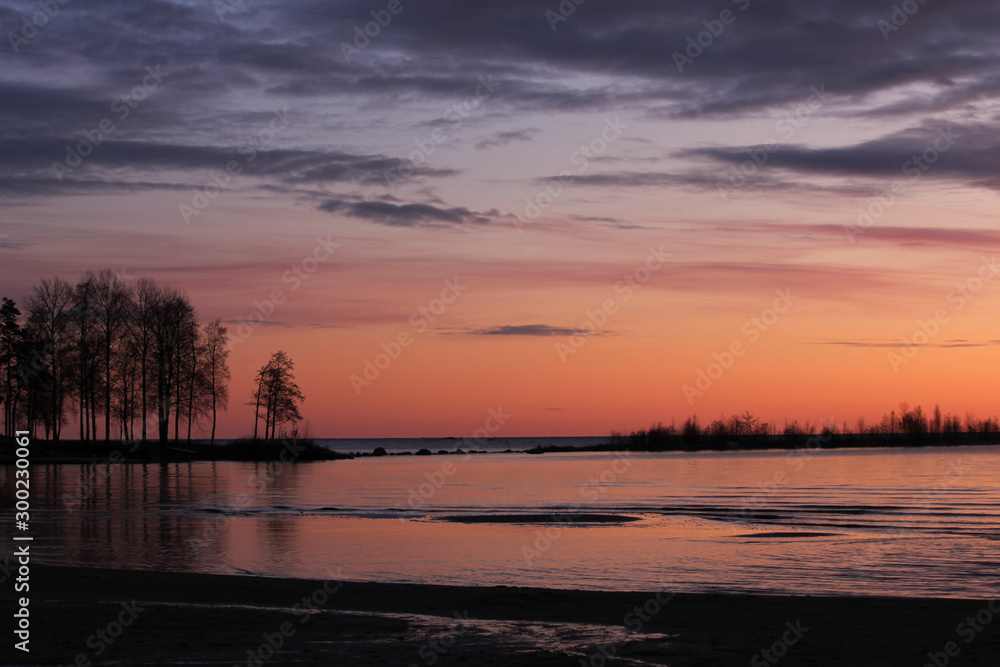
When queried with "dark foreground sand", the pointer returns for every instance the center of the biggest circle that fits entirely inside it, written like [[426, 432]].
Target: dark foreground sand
[[224, 620]]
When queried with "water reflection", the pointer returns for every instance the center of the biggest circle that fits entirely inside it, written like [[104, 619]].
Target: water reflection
[[844, 522], [121, 515]]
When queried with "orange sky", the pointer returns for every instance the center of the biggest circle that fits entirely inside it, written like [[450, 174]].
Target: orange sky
[[557, 172]]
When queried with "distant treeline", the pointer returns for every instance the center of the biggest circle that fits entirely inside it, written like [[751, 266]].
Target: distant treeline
[[113, 353], [908, 426]]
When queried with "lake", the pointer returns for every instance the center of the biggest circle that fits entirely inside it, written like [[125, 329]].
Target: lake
[[859, 522]]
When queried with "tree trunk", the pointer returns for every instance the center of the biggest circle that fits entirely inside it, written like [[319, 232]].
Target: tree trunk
[[267, 419], [256, 411], [92, 405], [269, 413], [83, 380], [163, 382], [145, 414], [163, 419], [107, 391], [129, 415], [86, 412], [214, 393], [177, 395], [126, 405], [190, 411], [13, 413], [55, 400]]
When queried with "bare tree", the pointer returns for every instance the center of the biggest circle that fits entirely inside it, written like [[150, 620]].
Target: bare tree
[[126, 399], [147, 300], [196, 383], [112, 301], [173, 321], [118, 351], [84, 328], [215, 339], [11, 343], [49, 322], [185, 377], [278, 393]]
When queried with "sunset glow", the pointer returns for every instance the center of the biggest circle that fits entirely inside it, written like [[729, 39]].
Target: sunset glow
[[554, 220]]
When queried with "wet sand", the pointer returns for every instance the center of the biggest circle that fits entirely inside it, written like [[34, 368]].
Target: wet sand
[[202, 619]]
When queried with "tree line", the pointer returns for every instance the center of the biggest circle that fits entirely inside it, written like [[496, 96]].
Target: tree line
[[114, 354], [907, 424]]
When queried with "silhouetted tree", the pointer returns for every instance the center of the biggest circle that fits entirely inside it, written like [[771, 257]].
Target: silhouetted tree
[[112, 304], [147, 297], [215, 339], [85, 337], [116, 350], [196, 379], [173, 323], [126, 400], [11, 344], [49, 332], [277, 392], [691, 431], [912, 422]]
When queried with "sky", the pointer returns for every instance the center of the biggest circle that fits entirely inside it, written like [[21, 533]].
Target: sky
[[587, 216]]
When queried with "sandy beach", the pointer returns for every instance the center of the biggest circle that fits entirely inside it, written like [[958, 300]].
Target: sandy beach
[[89, 616]]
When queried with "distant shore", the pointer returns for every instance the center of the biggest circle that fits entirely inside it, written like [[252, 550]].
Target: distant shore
[[306, 449], [175, 618], [653, 442]]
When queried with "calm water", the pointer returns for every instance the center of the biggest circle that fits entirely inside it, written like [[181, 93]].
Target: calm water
[[452, 444], [916, 523]]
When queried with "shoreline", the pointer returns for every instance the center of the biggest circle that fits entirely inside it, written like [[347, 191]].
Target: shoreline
[[217, 619], [305, 449]]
